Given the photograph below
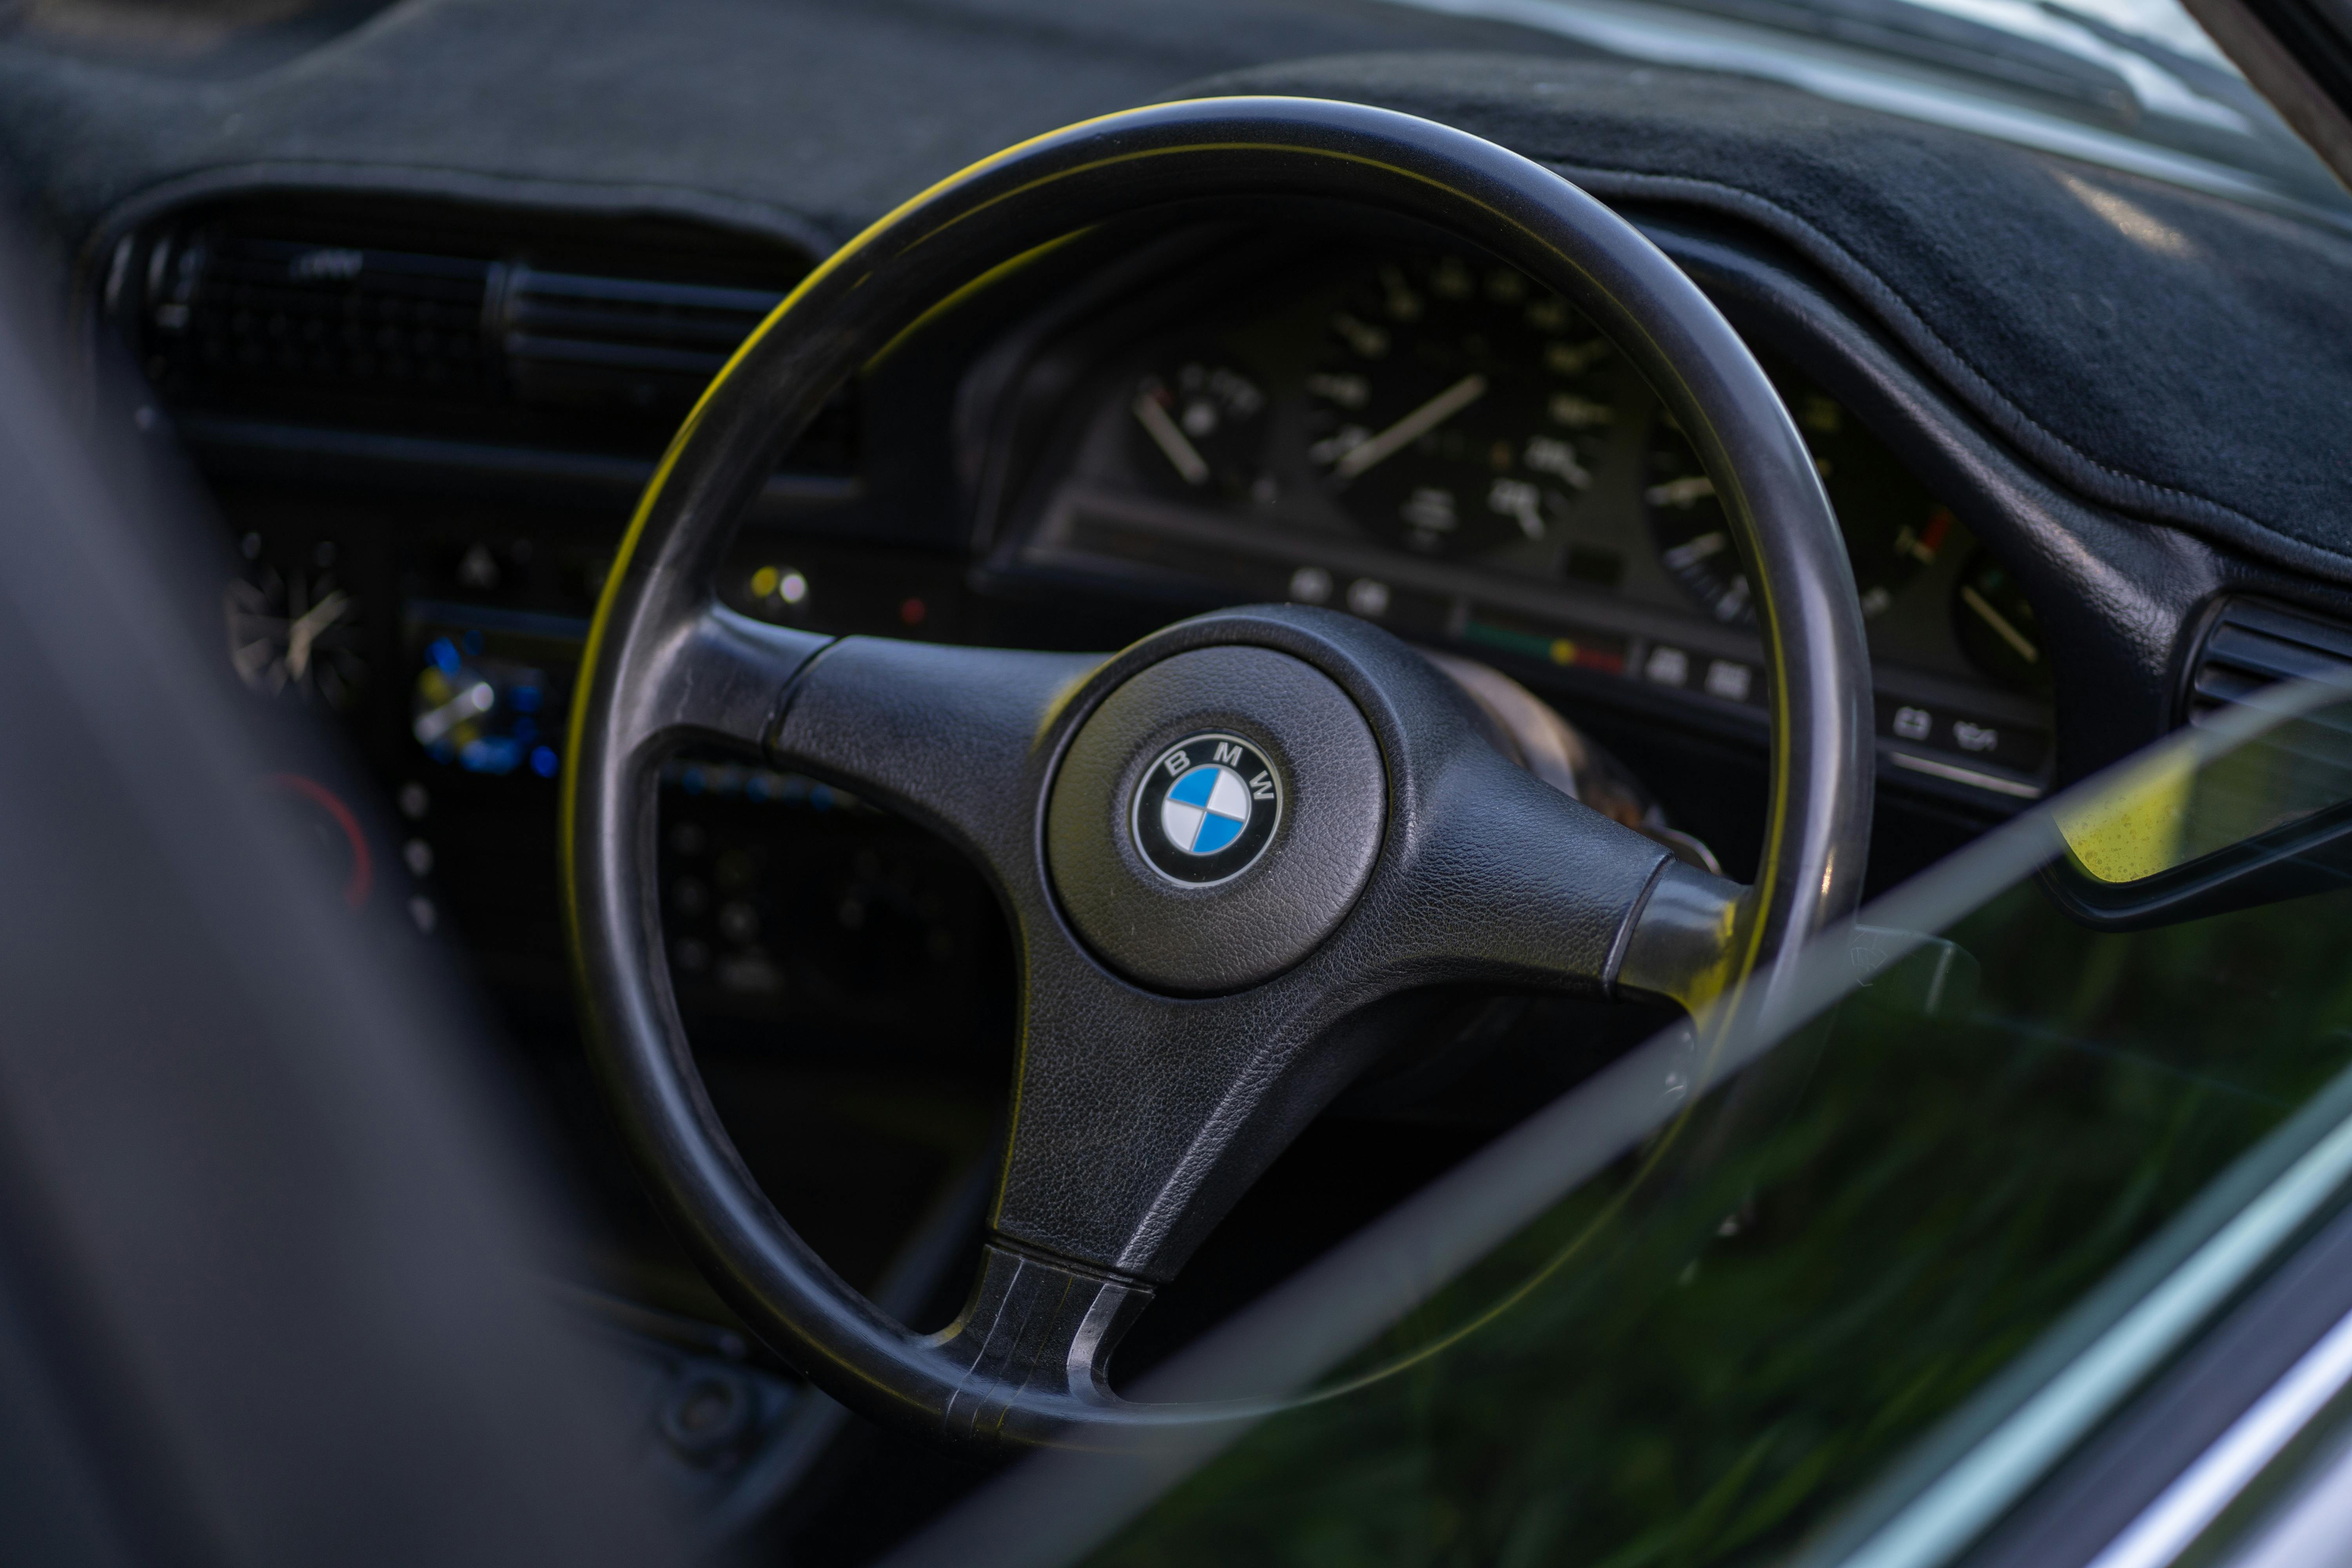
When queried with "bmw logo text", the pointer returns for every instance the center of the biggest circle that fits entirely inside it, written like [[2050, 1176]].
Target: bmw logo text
[[1206, 809]]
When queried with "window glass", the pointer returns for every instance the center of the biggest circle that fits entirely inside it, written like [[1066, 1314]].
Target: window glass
[[1857, 1293]]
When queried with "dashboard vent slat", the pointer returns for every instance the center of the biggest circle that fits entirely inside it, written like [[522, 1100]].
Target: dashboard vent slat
[[2215, 688], [2251, 646], [753, 303], [2290, 627], [2235, 648], [615, 356], [563, 330]]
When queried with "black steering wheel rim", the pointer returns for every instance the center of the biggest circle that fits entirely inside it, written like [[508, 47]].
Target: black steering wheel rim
[[665, 666]]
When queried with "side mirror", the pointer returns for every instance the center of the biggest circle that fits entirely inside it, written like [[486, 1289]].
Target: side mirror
[[2255, 809]]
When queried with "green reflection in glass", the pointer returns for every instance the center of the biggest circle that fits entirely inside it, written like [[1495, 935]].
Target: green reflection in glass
[[1758, 1312]]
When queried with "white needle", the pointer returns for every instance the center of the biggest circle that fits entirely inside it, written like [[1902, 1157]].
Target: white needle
[[1412, 426], [302, 633], [1999, 624], [1171, 440]]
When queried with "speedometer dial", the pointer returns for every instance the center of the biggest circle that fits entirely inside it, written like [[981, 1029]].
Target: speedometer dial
[[1893, 528], [1457, 408]]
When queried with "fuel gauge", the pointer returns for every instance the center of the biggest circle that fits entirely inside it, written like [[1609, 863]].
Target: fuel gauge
[[1200, 430]]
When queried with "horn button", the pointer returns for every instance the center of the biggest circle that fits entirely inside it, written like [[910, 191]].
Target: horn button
[[1216, 818]]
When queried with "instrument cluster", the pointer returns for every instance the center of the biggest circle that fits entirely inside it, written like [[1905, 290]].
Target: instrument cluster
[[1426, 438]]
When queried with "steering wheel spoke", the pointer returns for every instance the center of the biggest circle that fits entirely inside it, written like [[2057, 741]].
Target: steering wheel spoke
[[1036, 1339], [718, 677], [1684, 946], [1510, 882], [954, 737]]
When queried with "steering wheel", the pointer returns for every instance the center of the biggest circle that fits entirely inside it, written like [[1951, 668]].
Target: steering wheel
[[1223, 849]]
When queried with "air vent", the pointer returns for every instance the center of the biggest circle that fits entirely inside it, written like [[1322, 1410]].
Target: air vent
[[262, 330], [232, 311], [2254, 645], [572, 337]]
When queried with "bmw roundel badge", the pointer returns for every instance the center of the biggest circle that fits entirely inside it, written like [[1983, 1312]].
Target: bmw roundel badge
[[1206, 809]]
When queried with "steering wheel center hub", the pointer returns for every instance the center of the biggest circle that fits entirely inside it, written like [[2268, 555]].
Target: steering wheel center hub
[[1215, 818]]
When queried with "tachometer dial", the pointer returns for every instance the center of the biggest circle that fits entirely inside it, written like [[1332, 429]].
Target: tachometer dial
[[1690, 531], [1996, 626], [1893, 528], [1457, 408], [1200, 429]]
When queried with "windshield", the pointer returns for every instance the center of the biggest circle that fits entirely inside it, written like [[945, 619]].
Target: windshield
[[2127, 84], [2131, 84], [1837, 1284]]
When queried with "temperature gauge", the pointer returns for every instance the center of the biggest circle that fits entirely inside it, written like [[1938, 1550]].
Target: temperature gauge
[[1997, 627]]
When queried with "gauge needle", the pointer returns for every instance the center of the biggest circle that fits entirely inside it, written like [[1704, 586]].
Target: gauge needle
[[1171, 440], [303, 632], [2000, 624], [1412, 426]]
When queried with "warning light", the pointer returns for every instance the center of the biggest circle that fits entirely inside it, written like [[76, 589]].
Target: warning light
[[780, 583]]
